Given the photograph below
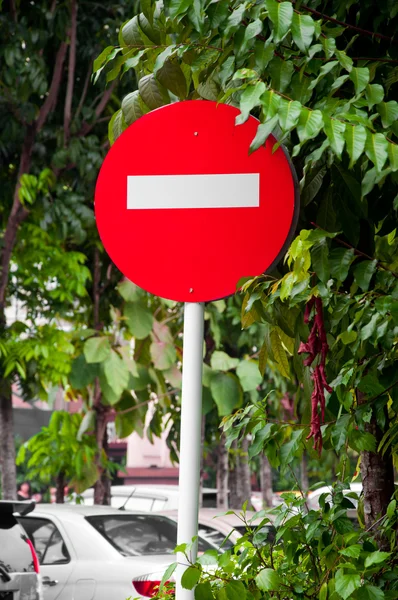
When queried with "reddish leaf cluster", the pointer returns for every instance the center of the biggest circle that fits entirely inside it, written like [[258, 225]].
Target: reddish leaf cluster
[[316, 347]]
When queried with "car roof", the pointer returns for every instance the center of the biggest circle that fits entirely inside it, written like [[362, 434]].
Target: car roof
[[155, 490], [84, 510], [209, 515]]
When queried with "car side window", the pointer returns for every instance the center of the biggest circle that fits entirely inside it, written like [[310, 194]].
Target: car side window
[[47, 540]]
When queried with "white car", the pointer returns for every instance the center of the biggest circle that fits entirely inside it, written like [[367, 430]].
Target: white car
[[100, 553], [313, 497], [147, 498], [224, 530]]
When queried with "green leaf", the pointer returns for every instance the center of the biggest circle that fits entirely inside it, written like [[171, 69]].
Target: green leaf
[[96, 349], [234, 20], [163, 354], [133, 107], [375, 558], [347, 584], [363, 273], [374, 93], [393, 156], [152, 93], [270, 102], [370, 328], [129, 291], [279, 354], [100, 60], [370, 592], [338, 83], [323, 71], [355, 137], [303, 30], [263, 54], [177, 8], [249, 99], [376, 149], [139, 319], [281, 72], [263, 357], [227, 392], [310, 124], [268, 580], [167, 574], [340, 261], [281, 15], [348, 337], [264, 130], [340, 431], [360, 77], [249, 375], [334, 130], [391, 509], [140, 382], [203, 591], [362, 440], [345, 61], [312, 184], [172, 78], [289, 449], [162, 57], [220, 361], [131, 33], [252, 30], [320, 260], [352, 551], [190, 577], [82, 374], [218, 14], [388, 112], [235, 590], [289, 113], [116, 372]]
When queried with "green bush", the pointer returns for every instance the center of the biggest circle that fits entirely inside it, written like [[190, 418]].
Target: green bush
[[314, 554]]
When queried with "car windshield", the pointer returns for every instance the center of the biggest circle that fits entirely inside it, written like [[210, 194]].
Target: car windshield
[[140, 535]]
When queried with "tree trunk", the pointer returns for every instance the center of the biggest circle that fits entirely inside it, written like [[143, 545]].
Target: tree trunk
[[7, 445], [222, 475], [60, 488], [245, 474], [105, 480], [266, 481], [378, 481], [100, 433], [202, 449], [234, 478], [304, 473]]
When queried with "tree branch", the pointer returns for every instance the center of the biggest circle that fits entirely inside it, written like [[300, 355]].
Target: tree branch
[[51, 99], [87, 127], [17, 215], [347, 25], [71, 73], [85, 89]]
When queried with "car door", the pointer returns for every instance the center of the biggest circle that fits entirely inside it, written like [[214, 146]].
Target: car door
[[56, 560]]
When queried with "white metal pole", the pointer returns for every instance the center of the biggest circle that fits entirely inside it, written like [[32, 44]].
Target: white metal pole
[[190, 437]]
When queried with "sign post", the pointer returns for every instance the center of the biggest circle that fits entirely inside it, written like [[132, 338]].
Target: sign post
[[185, 212], [190, 437]]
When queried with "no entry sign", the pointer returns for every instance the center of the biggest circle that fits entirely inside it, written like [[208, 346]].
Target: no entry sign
[[184, 211]]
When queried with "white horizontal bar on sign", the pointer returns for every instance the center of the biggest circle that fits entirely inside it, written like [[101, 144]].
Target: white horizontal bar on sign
[[235, 190]]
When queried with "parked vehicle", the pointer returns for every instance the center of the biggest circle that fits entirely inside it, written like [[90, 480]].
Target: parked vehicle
[[146, 498], [19, 567], [313, 497], [224, 530], [99, 552]]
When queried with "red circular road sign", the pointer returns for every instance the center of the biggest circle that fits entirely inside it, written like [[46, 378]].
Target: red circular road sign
[[184, 211]]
